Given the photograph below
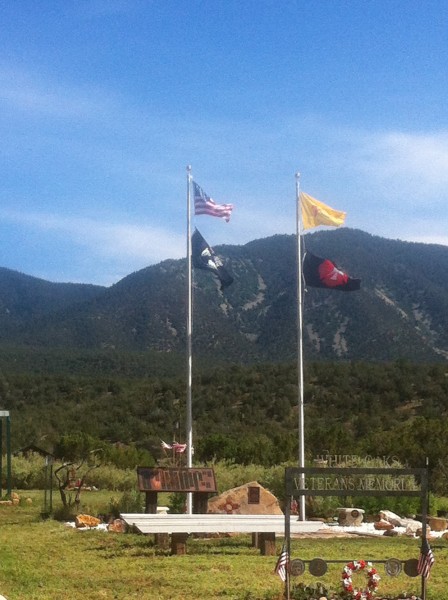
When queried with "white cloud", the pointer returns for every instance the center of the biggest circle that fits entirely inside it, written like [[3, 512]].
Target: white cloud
[[113, 240], [406, 167], [392, 156], [22, 91], [373, 175], [408, 157]]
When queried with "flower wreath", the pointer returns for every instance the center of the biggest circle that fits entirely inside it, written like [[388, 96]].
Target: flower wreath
[[372, 579]]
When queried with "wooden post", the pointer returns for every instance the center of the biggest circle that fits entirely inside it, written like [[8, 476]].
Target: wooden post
[[160, 539], [267, 543], [179, 543], [200, 503], [151, 503]]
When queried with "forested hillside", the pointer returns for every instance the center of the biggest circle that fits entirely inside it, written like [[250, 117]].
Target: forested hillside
[[246, 414], [401, 310], [24, 299]]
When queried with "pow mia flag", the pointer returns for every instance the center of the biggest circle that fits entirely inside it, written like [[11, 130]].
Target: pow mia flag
[[204, 258]]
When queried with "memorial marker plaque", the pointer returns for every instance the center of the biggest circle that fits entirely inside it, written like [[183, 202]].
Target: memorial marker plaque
[[296, 567], [411, 567], [393, 567], [318, 567], [253, 495]]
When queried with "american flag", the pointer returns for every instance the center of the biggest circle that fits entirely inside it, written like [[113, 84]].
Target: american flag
[[425, 560], [179, 447], [204, 205], [282, 563]]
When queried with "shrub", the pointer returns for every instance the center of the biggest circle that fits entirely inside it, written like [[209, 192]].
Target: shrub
[[110, 477], [65, 513], [177, 503], [28, 472], [129, 502]]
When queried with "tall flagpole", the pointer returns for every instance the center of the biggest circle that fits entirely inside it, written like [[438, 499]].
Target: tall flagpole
[[189, 420], [302, 516]]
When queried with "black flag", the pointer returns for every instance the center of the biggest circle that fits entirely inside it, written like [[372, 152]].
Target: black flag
[[204, 258], [323, 273]]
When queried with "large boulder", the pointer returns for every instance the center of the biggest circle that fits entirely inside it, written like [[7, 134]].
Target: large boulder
[[248, 499], [117, 526], [438, 523], [415, 528], [86, 521], [383, 525], [391, 517]]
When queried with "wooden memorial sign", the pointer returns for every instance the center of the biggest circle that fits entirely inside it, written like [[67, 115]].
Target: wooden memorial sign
[[200, 481], [159, 479]]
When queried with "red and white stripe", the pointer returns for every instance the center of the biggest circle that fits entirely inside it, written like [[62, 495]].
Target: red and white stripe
[[179, 447], [204, 205]]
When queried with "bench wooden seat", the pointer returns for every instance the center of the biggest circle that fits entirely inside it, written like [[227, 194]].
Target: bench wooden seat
[[216, 523], [180, 526]]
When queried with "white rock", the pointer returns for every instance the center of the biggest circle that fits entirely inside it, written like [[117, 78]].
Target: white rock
[[412, 527], [390, 516]]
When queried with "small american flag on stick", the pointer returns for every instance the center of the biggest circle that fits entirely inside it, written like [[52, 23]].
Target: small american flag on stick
[[282, 563], [426, 560]]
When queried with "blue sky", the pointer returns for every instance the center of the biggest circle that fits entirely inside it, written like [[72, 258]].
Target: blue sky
[[104, 103]]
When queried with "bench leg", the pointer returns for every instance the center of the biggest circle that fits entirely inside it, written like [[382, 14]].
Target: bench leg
[[267, 543], [255, 540], [179, 543], [162, 540]]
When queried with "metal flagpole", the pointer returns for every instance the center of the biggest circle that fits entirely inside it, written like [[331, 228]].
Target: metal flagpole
[[189, 420], [425, 507], [302, 516]]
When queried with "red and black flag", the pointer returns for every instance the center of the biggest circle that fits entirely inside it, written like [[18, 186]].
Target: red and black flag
[[204, 258], [323, 273]]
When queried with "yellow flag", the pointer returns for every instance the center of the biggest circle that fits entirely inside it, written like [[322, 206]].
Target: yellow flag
[[316, 213]]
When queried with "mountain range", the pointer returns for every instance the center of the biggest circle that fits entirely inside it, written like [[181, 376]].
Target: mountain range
[[400, 312]]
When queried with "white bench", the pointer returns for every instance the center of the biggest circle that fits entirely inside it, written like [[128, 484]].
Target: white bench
[[181, 526]]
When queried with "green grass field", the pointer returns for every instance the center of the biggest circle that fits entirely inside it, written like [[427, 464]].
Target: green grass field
[[46, 560]]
